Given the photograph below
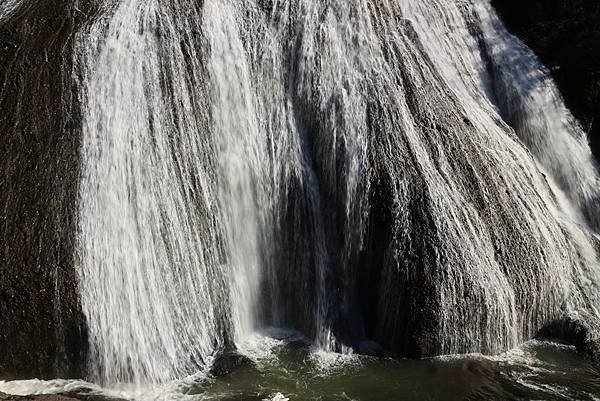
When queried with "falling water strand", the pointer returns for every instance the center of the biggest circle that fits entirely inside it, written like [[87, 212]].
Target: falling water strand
[[242, 160]]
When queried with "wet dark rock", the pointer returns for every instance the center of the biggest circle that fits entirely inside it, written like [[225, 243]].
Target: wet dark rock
[[230, 361], [42, 328], [7, 296], [581, 330], [73, 396], [44, 397], [8, 40], [83, 395]]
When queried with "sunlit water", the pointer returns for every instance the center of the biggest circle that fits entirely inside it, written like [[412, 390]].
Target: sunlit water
[[289, 369]]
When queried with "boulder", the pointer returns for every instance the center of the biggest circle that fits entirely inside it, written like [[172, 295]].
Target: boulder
[[229, 361]]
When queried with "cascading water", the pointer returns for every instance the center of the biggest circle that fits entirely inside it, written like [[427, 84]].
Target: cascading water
[[354, 169], [151, 241], [506, 73]]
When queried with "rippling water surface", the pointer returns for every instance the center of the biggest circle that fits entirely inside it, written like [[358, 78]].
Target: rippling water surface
[[287, 369]]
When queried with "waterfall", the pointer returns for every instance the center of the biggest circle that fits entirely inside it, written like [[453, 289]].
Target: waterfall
[[151, 240], [402, 171]]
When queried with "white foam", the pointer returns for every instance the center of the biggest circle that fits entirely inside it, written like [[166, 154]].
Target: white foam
[[278, 397]]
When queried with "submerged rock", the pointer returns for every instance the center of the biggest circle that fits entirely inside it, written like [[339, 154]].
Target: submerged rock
[[229, 361]]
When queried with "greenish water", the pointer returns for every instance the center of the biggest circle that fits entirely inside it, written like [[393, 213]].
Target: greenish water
[[286, 369], [537, 371]]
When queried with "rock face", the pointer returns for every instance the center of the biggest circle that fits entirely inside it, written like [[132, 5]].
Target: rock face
[[42, 331]]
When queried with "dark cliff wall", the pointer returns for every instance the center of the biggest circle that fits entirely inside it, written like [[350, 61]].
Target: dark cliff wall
[[565, 34], [41, 324]]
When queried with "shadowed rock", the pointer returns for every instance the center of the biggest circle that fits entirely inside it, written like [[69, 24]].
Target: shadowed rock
[[231, 361], [579, 329], [71, 396], [42, 328]]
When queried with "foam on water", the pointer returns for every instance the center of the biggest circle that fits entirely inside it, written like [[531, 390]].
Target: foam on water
[[261, 346], [27, 387]]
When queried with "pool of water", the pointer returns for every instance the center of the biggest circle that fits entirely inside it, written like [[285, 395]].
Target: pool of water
[[288, 370]]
